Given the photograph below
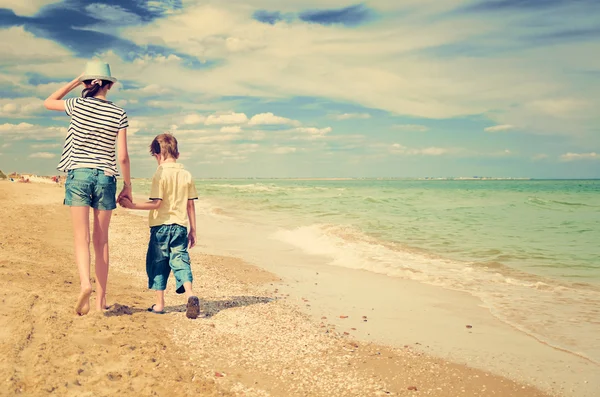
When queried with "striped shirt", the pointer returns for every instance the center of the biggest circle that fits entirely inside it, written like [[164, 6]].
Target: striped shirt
[[92, 135]]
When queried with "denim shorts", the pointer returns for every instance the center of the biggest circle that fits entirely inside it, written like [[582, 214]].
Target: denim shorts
[[90, 187], [167, 250]]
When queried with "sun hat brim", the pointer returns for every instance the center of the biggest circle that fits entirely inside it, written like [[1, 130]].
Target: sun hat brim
[[94, 77]]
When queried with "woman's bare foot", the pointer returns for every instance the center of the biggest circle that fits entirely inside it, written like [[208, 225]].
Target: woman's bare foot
[[83, 302], [102, 304]]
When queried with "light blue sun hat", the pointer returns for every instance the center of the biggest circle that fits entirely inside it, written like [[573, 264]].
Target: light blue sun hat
[[97, 70]]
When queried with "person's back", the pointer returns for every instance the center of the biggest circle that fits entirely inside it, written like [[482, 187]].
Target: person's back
[[92, 135], [172, 210], [89, 157], [174, 186]]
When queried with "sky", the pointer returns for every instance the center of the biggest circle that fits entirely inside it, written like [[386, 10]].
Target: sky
[[328, 88]]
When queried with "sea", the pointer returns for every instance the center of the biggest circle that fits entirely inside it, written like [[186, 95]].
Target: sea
[[528, 249]]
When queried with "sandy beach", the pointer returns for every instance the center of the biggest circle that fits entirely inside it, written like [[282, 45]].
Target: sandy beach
[[257, 337]]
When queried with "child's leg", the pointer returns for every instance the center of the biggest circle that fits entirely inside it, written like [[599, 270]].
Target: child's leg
[[101, 224], [159, 306], [157, 264], [189, 291], [81, 232], [179, 260]]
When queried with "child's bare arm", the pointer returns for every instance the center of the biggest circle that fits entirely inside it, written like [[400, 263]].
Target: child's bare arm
[[149, 205], [55, 100], [191, 211]]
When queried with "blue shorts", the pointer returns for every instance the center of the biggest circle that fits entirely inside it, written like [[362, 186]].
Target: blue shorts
[[89, 187], [167, 250]]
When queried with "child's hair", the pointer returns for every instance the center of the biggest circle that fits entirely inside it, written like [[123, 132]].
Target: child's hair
[[91, 90], [165, 145]]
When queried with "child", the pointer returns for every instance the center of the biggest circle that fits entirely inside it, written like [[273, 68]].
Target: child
[[172, 209]]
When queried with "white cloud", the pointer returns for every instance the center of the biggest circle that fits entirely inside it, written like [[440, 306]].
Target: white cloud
[[31, 131], [42, 155], [45, 146], [26, 8], [348, 116], [540, 156], [579, 156], [193, 119], [411, 127], [111, 13], [561, 107], [233, 129], [271, 119], [314, 131], [18, 46], [5, 145], [226, 118], [7, 127], [284, 150], [397, 148], [497, 128], [154, 89], [21, 107]]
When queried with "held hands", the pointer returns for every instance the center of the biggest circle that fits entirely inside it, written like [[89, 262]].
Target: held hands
[[125, 193], [125, 202], [192, 238]]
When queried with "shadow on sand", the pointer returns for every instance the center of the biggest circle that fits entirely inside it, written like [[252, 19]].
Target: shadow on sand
[[208, 308]]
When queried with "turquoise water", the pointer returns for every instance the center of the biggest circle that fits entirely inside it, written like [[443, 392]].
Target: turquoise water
[[528, 249], [544, 227]]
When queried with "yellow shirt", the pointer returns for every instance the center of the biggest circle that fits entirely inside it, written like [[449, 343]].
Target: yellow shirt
[[173, 185]]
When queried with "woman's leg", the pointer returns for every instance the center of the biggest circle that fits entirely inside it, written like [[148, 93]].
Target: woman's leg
[[101, 224], [81, 232]]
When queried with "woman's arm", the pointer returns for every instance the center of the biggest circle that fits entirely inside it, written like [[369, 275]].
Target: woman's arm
[[123, 155], [55, 100]]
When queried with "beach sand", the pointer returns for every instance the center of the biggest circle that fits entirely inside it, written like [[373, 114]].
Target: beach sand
[[254, 340]]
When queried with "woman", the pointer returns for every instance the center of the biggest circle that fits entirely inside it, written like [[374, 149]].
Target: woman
[[89, 158]]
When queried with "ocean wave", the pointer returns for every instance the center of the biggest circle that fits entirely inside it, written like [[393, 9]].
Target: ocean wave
[[556, 203], [521, 299]]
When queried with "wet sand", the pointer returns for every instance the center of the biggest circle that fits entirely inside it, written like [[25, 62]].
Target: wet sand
[[252, 341]]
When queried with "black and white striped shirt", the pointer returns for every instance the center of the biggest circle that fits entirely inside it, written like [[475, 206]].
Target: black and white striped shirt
[[92, 135]]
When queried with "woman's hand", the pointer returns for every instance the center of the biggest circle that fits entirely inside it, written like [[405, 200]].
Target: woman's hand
[[126, 192]]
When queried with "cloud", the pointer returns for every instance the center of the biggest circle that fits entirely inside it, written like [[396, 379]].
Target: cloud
[[314, 131], [111, 13], [21, 107], [397, 148], [411, 127], [27, 8], [233, 129], [30, 131], [42, 155], [193, 119], [284, 150], [154, 89], [497, 128], [271, 119], [226, 118], [348, 116], [7, 127], [540, 156], [45, 146], [18, 46], [348, 16], [579, 156], [561, 107]]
